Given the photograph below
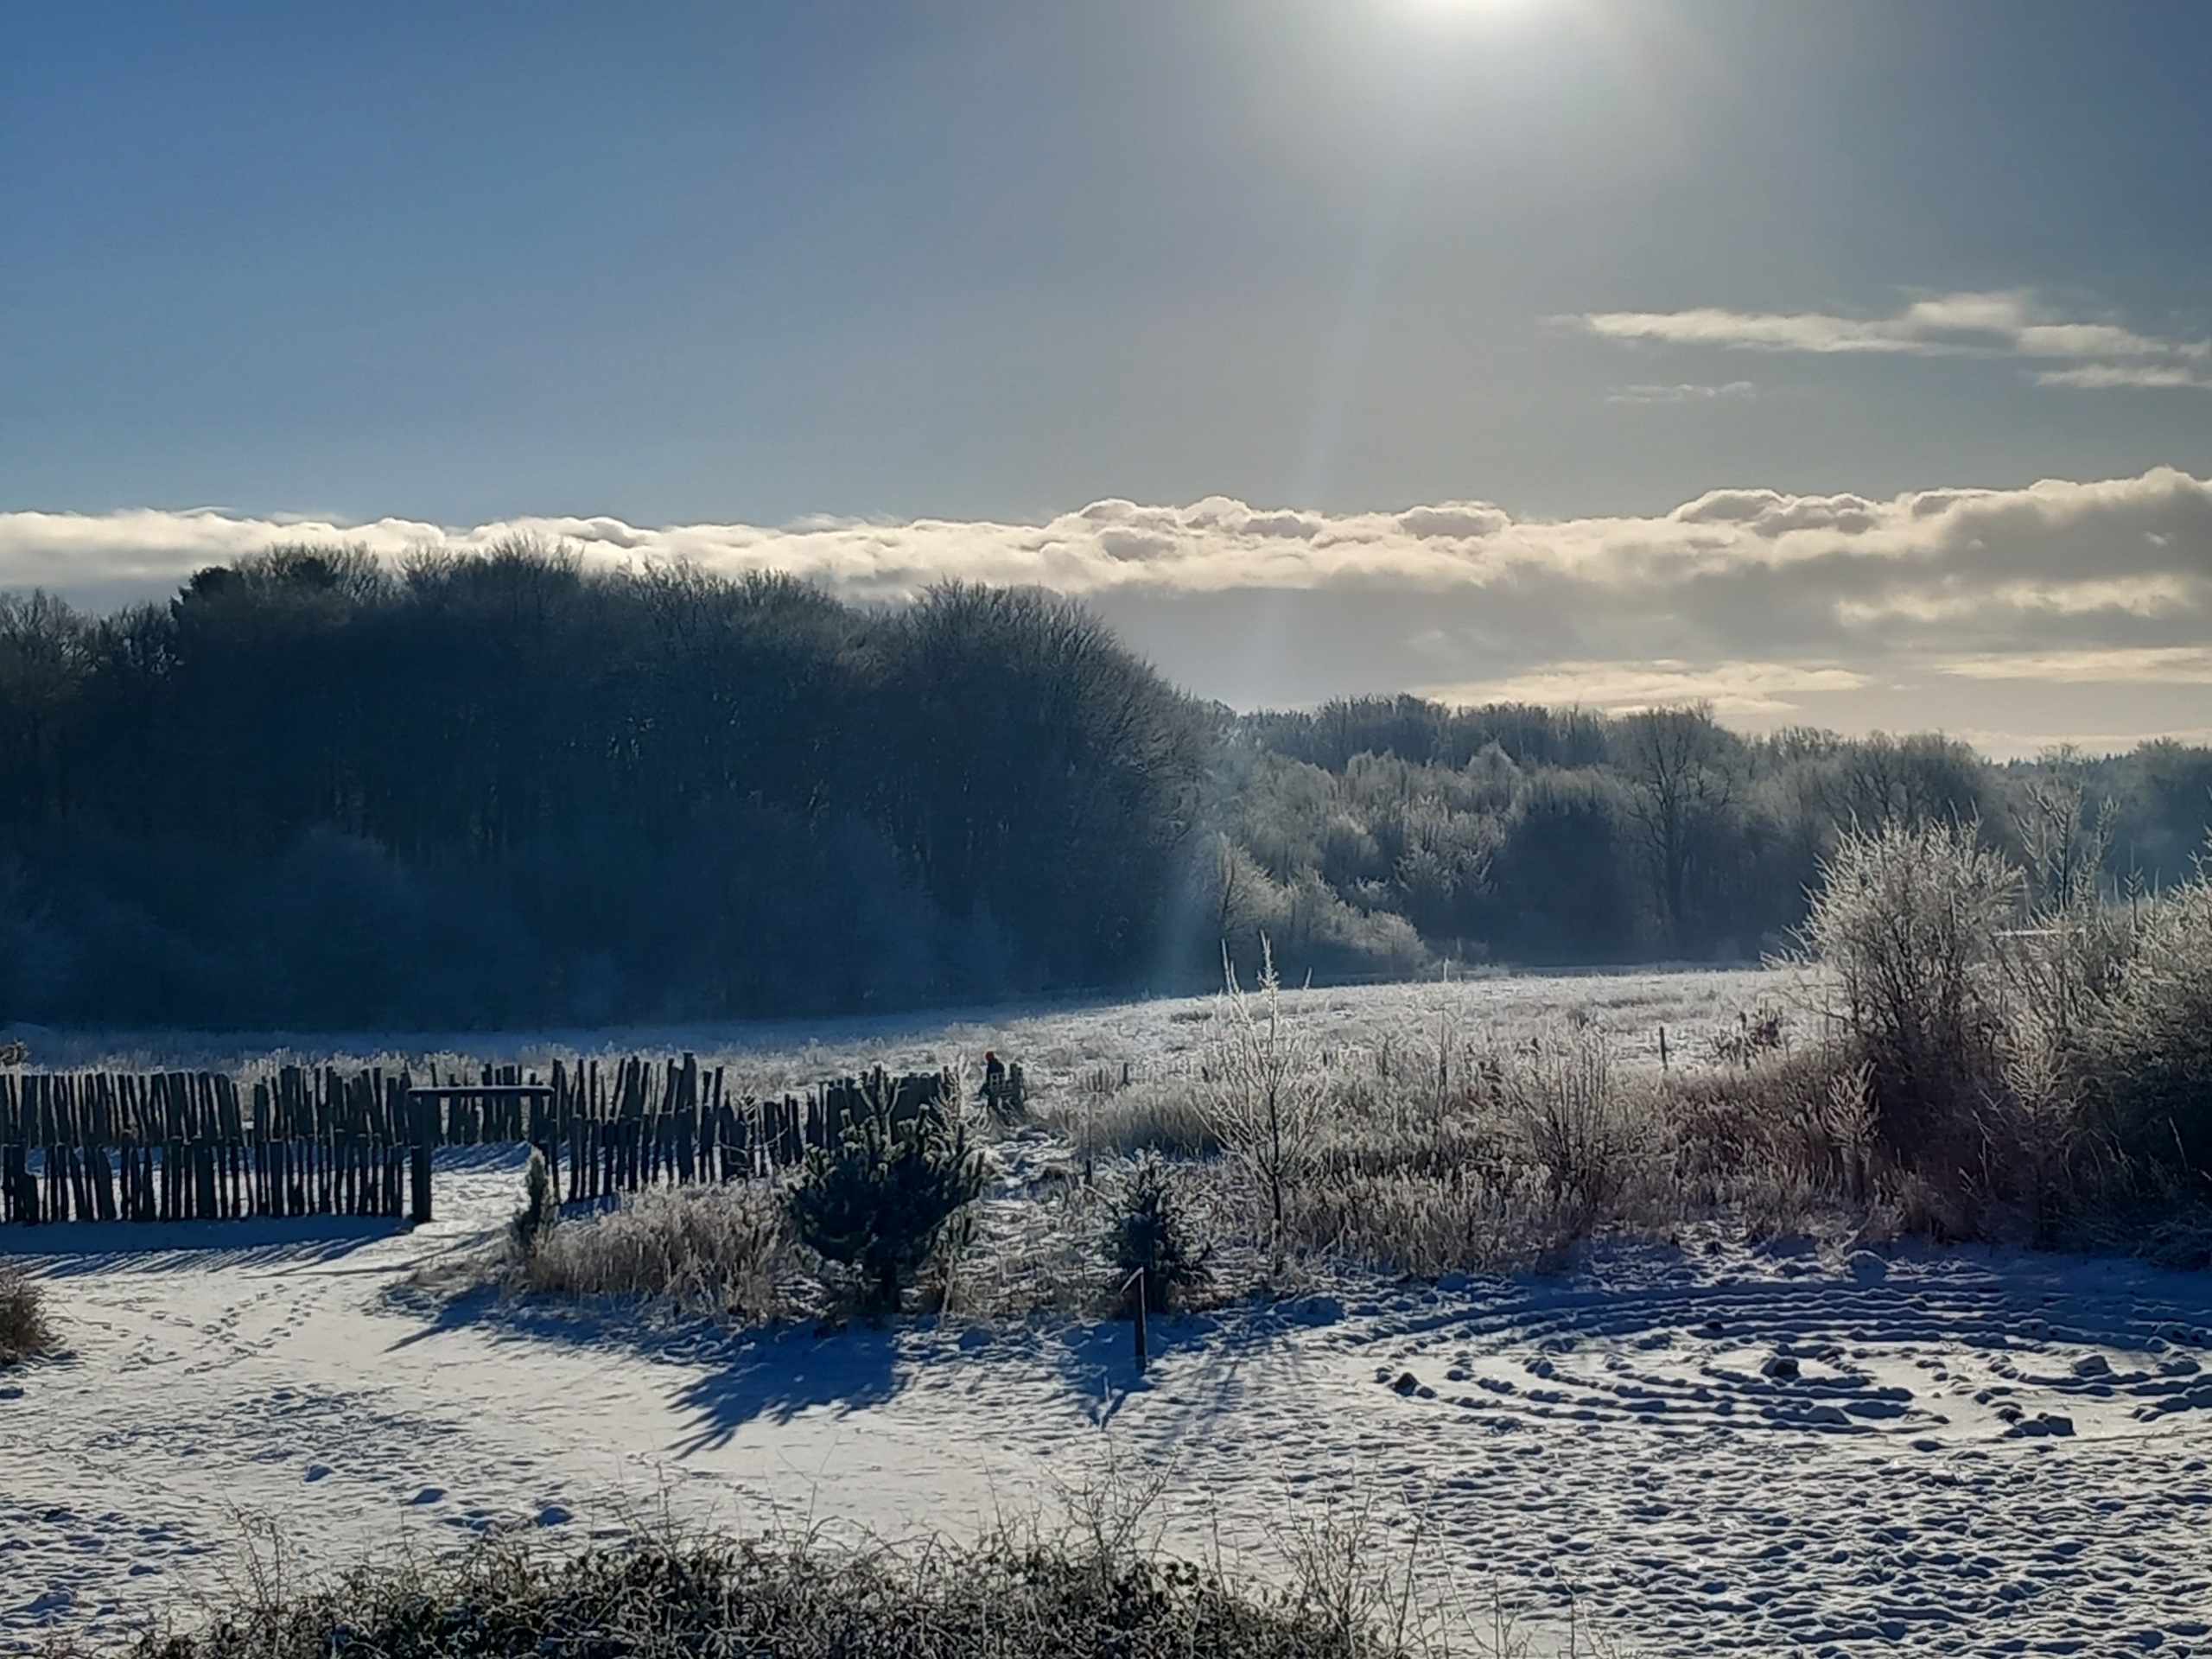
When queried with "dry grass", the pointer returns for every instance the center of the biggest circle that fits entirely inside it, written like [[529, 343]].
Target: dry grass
[[1160, 1113], [721, 1250], [25, 1328]]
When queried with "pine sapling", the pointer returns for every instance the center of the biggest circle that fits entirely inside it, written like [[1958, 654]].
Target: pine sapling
[[892, 1190], [1151, 1239]]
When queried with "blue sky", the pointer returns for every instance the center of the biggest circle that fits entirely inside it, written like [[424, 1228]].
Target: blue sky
[[746, 264]]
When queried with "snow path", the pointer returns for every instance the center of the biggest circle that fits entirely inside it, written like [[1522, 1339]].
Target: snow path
[[1740, 1452]]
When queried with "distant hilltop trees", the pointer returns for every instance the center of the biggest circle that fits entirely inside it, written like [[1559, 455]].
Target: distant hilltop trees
[[313, 790]]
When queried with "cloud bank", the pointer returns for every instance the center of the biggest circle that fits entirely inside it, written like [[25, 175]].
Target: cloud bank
[[2011, 323], [2063, 609]]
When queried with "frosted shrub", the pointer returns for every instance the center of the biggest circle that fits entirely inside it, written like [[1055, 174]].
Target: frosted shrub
[[2145, 1063], [23, 1327], [1581, 1132], [1782, 1139], [1263, 1089], [1908, 918]]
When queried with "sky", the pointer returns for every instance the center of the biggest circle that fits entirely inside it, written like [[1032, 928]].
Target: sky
[[1843, 365]]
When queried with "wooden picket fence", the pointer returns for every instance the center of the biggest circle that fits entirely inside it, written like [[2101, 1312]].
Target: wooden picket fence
[[195, 1146]]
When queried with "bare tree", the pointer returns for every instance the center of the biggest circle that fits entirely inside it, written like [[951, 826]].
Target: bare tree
[[1675, 764]]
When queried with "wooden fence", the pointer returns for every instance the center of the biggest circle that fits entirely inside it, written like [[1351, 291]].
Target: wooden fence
[[183, 1146]]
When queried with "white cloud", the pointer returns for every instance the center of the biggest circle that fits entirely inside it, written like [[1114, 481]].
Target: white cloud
[[1737, 690], [2106, 376], [1768, 603], [1683, 393], [2158, 665], [2007, 323]]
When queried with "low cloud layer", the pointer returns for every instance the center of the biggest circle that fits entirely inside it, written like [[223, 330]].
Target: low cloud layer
[[2013, 323], [2063, 609]]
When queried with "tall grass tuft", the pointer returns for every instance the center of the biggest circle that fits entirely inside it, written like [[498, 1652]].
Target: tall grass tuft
[[716, 1250]]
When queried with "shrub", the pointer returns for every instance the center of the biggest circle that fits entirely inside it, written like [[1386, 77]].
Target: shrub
[[881, 1200], [541, 1206], [2144, 1064], [711, 1248], [1152, 1240], [23, 1327], [1009, 1598], [1576, 1123], [1908, 917]]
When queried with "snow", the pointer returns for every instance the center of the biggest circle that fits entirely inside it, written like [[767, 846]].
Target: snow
[[1719, 1448]]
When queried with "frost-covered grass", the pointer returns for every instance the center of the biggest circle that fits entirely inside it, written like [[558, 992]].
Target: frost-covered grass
[[1008, 1597], [1448, 1125], [720, 1250], [1424, 1130], [1470, 1126], [1063, 1047]]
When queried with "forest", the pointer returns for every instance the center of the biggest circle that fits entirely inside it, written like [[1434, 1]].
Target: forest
[[314, 791]]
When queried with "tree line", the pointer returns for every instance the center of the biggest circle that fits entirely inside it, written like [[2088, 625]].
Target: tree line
[[1383, 831], [314, 788]]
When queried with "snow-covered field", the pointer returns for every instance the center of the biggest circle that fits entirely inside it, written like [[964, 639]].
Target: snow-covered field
[[1057, 1042], [1716, 1449]]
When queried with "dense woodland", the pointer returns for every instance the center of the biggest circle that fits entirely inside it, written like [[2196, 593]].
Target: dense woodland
[[312, 790]]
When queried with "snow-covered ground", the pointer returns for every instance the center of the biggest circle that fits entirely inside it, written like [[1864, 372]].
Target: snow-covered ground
[[1976, 1450], [1722, 1449]]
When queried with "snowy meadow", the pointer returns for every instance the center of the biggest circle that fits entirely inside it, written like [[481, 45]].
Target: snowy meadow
[[1553, 1340]]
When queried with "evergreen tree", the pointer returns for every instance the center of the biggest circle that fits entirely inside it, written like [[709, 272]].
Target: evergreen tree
[[891, 1190]]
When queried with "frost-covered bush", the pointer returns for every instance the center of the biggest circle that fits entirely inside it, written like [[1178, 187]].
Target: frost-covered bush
[[1009, 1595], [882, 1199], [1263, 1087], [1582, 1131], [1908, 919], [23, 1327], [2144, 1064]]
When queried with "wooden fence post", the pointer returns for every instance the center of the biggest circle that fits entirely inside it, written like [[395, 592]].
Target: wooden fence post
[[419, 1170]]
